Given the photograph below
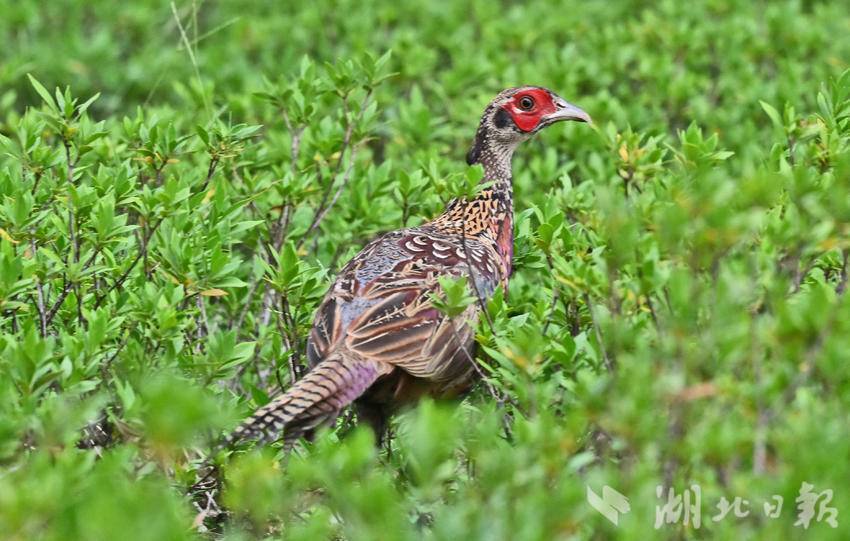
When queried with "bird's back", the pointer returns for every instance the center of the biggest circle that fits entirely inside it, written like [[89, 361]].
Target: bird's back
[[381, 305]]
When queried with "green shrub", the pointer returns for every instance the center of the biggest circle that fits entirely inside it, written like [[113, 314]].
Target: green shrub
[[180, 183]]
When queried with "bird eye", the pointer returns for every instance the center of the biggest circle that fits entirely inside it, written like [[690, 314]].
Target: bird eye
[[526, 103]]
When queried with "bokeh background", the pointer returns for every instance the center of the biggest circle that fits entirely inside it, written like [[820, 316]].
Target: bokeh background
[[677, 317]]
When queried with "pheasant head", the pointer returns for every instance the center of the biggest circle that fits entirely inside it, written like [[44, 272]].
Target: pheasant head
[[513, 117]]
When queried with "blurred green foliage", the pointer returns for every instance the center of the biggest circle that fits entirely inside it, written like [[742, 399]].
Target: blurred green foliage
[[179, 183]]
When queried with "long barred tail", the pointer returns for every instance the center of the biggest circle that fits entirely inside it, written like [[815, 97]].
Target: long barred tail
[[313, 400]]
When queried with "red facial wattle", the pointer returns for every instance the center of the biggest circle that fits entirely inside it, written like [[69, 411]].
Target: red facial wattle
[[528, 119]]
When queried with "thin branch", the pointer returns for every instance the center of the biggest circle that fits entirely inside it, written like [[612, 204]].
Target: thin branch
[[247, 305], [191, 53], [129, 269], [842, 278], [346, 139], [214, 160], [39, 288], [606, 360], [497, 395], [283, 334], [492, 390], [203, 323], [651, 305], [268, 301], [71, 225], [67, 289], [294, 153], [321, 210], [278, 231], [652, 312], [295, 144], [556, 293], [104, 367], [802, 272], [321, 215], [291, 339], [37, 180], [572, 316], [276, 243]]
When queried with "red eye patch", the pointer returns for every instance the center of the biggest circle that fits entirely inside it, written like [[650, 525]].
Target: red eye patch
[[528, 119]]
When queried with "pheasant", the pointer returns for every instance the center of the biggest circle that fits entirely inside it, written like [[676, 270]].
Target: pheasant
[[377, 338]]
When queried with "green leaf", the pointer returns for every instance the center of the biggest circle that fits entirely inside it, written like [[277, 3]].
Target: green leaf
[[775, 118], [42, 92]]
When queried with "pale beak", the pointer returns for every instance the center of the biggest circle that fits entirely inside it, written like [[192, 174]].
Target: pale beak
[[566, 111]]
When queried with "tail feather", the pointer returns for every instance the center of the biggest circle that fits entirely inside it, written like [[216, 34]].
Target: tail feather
[[315, 399]]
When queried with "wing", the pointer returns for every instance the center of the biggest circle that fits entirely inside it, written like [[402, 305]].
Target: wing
[[381, 306]]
